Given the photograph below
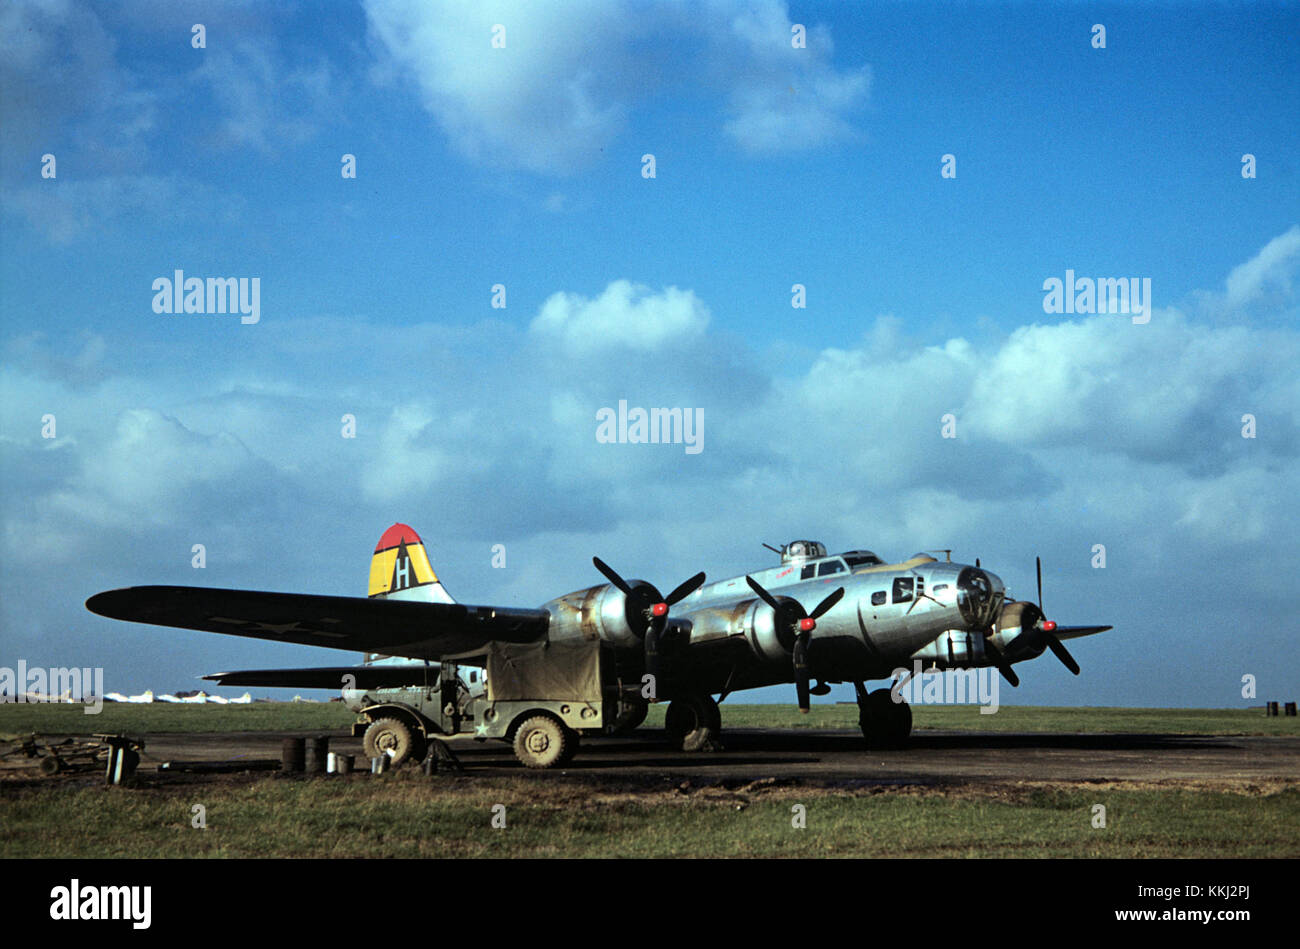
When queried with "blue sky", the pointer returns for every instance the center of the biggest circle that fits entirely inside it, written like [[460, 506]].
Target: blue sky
[[522, 166]]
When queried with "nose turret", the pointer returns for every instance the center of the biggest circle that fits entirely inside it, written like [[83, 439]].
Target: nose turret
[[979, 596]]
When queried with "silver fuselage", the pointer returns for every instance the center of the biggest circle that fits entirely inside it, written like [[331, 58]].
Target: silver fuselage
[[890, 615]]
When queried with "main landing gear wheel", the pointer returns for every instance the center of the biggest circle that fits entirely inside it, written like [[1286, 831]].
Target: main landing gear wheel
[[885, 723], [544, 742], [693, 723], [388, 736]]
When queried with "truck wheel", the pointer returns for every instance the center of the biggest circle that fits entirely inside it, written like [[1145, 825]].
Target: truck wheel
[[571, 747], [391, 736], [543, 742]]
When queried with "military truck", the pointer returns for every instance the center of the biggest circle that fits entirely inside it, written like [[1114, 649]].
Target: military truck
[[539, 697]]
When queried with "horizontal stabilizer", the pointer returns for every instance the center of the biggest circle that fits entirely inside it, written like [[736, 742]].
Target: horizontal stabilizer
[[386, 676]]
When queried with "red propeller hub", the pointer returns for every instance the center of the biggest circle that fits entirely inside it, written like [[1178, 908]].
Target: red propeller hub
[[807, 624], [1049, 625], [661, 609]]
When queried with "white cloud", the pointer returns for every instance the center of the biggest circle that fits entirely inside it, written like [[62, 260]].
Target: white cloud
[[570, 74], [1268, 273], [1069, 434], [65, 91], [1167, 391], [150, 468], [625, 314], [265, 103], [410, 458], [544, 102], [783, 98], [65, 210]]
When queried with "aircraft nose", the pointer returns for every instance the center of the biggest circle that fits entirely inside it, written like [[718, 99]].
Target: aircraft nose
[[975, 596]]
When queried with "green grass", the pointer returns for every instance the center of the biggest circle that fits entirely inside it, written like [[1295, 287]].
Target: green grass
[[404, 815], [1028, 718], [401, 815], [332, 716], [23, 719]]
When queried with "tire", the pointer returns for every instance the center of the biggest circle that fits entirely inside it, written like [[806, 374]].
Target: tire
[[901, 725], [387, 735], [630, 720], [571, 748], [543, 742], [693, 722], [884, 722]]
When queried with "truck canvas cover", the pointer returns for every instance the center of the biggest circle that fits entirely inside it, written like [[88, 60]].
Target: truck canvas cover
[[543, 671]]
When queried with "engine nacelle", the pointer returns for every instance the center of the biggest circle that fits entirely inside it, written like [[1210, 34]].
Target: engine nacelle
[[596, 613], [1017, 636], [753, 620]]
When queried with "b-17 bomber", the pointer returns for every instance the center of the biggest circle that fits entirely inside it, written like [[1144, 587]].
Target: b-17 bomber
[[592, 661]]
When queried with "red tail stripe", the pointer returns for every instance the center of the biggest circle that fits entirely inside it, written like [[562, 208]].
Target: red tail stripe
[[397, 535]]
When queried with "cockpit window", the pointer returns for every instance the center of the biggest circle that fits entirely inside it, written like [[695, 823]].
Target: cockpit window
[[831, 566], [861, 558], [878, 598], [807, 572], [902, 589]]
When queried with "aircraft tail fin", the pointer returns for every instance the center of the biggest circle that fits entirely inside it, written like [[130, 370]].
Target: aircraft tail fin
[[400, 570]]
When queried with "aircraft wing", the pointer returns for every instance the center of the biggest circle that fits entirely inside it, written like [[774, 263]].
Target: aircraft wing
[[406, 628], [377, 676], [1074, 632]]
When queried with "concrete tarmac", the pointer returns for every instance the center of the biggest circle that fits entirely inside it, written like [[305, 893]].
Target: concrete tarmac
[[839, 757]]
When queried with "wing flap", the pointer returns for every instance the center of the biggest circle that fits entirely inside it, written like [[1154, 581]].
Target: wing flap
[[409, 629]]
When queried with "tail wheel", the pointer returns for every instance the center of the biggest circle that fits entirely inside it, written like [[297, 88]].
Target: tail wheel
[[389, 736], [543, 742]]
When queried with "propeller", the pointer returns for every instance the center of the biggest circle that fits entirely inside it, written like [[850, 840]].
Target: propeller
[[646, 613], [1048, 627], [1000, 661], [791, 615], [992, 651]]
